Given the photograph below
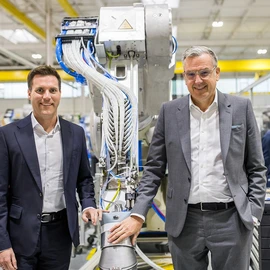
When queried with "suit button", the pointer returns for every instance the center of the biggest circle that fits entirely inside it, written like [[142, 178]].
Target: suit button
[[185, 200], [38, 216], [189, 179], [40, 194]]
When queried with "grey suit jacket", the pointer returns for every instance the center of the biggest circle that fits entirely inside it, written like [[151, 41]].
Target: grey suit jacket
[[241, 154]]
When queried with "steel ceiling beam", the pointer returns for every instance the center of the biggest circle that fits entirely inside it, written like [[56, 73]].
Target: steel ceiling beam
[[21, 76], [42, 11], [17, 58], [68, 8], [251, 65], [20, 16], [220, 42]]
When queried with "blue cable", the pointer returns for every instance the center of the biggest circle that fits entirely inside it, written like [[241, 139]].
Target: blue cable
[[175, 44], [59, 53], [155, 208]]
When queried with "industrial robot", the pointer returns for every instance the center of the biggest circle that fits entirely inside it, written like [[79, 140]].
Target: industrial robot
[[126, 57]]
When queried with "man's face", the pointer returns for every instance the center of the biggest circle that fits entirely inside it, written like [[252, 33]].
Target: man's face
[[201, 77], [45, 97]]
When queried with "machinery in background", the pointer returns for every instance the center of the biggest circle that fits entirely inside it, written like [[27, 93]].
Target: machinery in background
[[16, 114], [265, 121], [126, 57], [8, 116]]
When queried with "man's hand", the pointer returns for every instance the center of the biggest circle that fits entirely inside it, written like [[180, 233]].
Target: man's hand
[[130, 226], [92, 214], [8, 260]]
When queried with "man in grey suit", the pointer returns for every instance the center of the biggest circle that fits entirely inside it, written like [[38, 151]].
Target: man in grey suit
[[216, 188]]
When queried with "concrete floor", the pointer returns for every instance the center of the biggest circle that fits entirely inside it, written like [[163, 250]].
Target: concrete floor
[[80, 259], [77, 262]]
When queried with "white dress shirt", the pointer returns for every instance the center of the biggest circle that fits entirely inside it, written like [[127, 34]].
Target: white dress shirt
[[50, 158], [208, 183]]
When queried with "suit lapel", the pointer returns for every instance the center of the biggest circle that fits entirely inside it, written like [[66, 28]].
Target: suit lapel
[[67, 139], [183, 120], [26, 141], [225, 123]]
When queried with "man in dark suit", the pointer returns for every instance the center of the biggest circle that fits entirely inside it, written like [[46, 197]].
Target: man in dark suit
[[216, 188], [266, 154], [43, 161]]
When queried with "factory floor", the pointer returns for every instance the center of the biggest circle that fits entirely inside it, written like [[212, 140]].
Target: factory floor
[[81, 259], [77, 262]]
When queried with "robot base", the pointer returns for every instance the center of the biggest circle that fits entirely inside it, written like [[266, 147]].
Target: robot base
[[116, 256]]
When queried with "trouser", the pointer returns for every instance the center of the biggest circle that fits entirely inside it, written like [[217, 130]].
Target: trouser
[[220, 232], [53, 250]]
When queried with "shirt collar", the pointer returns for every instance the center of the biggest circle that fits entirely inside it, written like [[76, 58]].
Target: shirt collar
[[37, 126], [214, 104]]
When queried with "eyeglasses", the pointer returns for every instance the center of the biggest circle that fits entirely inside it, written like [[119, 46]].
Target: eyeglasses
[[203, 73]]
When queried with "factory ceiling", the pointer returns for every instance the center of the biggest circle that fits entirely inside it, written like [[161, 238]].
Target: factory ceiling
[[245, 27]]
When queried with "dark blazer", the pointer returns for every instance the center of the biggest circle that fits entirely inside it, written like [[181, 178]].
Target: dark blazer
[[266, 151], [241, 154], [21, 195]]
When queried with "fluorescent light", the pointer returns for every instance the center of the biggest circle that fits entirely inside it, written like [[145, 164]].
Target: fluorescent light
[[262, 51], [18, 36], [170, 3], [36, 56], [217, 24], [173, 3]]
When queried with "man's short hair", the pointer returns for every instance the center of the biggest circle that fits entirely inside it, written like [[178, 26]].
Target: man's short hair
[[195, 51], [43, 70]]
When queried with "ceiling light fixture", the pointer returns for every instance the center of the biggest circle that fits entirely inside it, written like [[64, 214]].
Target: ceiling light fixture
[[217, 23], [18, 36], [36, 56], [262, 51]]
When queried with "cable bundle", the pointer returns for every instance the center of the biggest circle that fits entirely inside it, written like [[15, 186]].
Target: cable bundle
[[119, 102]]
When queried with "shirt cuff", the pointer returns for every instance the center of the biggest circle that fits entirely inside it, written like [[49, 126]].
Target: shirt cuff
[[138, 215], [256, 222]]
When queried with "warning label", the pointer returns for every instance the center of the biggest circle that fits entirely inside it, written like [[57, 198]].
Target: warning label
[[125, 25]]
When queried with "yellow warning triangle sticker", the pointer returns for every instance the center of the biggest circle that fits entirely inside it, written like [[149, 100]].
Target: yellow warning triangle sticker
[[125, 25]]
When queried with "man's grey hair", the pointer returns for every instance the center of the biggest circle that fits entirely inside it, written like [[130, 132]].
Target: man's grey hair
[[195, 51]]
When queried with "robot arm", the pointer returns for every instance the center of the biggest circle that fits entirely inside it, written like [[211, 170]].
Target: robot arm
[[126, 58]]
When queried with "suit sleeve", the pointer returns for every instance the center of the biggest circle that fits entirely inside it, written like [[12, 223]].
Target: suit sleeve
[[4, 185], [154, 169], [255, 169]]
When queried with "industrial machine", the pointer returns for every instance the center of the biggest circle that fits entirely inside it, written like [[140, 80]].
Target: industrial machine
[[126, 57]]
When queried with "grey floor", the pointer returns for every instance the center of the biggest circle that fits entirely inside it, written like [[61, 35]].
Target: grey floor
[[78, 261], [79, 257]]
